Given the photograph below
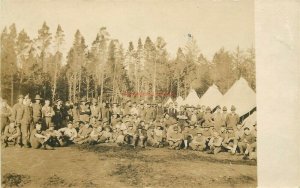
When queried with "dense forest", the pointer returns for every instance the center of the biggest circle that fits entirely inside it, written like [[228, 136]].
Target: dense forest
[[108, 70]]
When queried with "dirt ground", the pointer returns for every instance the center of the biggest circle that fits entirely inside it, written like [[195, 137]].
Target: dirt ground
[[111, 166]]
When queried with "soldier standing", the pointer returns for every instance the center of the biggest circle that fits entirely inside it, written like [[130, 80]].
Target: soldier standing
[[18, 111], [84, 110], [47, 113], [224, 115], [95, 110], [5, 113], [208, 119], [159, 111], [58, 114], [232, 118], [37, 109], [218, 119], [26, 122]]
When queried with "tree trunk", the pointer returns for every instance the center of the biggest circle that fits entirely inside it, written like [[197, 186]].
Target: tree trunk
[[87, 86], [12, 90], [79, 84], [178, 87], [154, 82], [54, 81], [70, 89], [101, 92], [74, 87]]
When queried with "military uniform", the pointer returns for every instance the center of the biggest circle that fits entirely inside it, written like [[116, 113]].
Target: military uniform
[[169, 121], [199, 142], [232, 119], [11, 134], [5, 114], [218, 121], [95, 111], [208, 119], [215, 143], [17, 113], [36, 110], [188, 134], [47, 113], [140, 135], [224, 116], [247, 143], [58, 116], [26, 124], [129, 133], [39, 139], [83, 135], [67, 135], [159, 112], [175, 139], [84, 111]]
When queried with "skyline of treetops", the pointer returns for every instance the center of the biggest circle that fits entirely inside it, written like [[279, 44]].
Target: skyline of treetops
[[108, 69]]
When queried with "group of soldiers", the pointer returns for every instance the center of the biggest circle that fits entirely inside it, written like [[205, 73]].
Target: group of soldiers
[[138, 124]]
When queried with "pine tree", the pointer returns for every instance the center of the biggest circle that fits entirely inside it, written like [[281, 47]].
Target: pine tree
[[57, 61], [42, 44], [8, 61]]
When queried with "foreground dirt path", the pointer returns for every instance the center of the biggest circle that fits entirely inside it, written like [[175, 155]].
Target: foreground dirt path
[[111, 166]]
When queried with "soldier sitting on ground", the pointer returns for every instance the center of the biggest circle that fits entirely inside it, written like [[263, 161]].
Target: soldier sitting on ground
[[247, 144], [175, 139], [199, 142], [39, 138], [159, 136], [67, 134], [140, 135], [12, 134], [107, 134], [188, 133], [83, 134], [97, 135], [150, 134], [215, 143], [129, 139], [228, 138], [53, 134]]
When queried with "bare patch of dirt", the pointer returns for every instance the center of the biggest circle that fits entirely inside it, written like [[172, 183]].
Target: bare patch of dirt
[[14, 180], [108, 165]]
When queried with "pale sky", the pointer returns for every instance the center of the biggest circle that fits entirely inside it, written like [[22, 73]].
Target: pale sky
[[213, 23]]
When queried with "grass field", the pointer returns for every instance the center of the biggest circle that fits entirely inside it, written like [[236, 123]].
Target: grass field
[[111, 166]]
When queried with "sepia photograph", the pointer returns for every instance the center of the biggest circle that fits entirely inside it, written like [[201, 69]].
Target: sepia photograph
[[98, 93]]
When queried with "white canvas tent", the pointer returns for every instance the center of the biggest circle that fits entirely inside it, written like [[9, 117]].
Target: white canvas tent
[[211, 97], [241, 96], [250, 121], [168, 101], [179, 101], [192, 99]]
